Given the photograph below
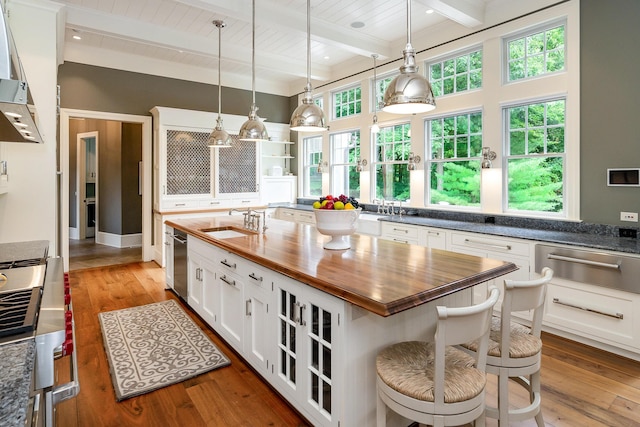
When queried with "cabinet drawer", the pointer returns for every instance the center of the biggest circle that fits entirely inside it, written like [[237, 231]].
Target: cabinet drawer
[[215, 203], [256, 276], [178, 204], [491, 244], [587, 311], [286, 214], [401, 231], [306, 217], [230, 263]]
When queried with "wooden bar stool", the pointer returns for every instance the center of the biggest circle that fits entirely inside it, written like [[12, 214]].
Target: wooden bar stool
[[515, 350], [433, 382]]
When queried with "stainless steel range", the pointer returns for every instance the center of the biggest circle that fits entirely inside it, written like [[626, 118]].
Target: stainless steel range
[[35, 304]]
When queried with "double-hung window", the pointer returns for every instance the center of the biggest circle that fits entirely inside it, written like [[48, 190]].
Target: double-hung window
[[345, 152], [312, 179], [454, 155], [535, 156], [347, 102], [392, 150]]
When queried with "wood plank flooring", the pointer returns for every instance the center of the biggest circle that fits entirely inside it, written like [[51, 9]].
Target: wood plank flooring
[[581, 386]]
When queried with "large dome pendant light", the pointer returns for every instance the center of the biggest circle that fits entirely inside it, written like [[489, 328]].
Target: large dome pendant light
[[253, 129], [219, 137], [375, 128], [409, 92], [308, 117]]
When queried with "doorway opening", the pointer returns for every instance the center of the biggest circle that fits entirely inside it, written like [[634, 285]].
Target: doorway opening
[[98, 208]]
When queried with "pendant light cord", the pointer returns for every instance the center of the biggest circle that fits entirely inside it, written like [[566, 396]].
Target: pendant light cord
[[253, 54], [309, 43], [219, 24], [375, 85], [409, 24]]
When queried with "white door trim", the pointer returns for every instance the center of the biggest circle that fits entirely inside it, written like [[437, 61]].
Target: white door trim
[[147, 213]]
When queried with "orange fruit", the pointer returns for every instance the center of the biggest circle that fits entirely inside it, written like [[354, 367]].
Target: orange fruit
[[348, 206]]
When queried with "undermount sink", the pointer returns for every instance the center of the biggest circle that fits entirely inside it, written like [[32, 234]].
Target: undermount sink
[[227, 232]]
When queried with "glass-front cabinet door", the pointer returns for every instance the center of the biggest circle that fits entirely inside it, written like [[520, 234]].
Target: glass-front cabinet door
[[308, 349]]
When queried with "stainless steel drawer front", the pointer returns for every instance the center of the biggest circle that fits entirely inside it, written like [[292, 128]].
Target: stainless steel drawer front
[[596, 268]]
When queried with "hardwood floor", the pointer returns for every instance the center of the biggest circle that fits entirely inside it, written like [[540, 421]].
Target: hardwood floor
[[581, 386], [86, 253]]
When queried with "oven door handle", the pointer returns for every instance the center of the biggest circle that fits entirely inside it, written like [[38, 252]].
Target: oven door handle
[[71, 389]]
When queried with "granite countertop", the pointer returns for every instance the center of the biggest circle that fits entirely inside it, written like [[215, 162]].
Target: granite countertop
[[16, 251], [593, 236], [16, 367]]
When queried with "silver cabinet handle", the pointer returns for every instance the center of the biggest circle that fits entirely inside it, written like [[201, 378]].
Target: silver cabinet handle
[[199, 274], [401, 241], [228, 281], [404, 230], [247, 307], [228, 264], [590, 310], [584, 261], [180, 204], [491, 245], [254, 277], [299, 317]]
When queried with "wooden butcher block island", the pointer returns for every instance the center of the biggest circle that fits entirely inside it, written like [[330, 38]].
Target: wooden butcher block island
[[311, 320]]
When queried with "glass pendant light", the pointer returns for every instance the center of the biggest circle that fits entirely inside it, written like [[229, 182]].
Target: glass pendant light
[[308, 117], [219, 137], [409, 92], [374, 127], [253, 129]]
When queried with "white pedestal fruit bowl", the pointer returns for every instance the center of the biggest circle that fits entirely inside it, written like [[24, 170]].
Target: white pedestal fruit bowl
[[338, 224]]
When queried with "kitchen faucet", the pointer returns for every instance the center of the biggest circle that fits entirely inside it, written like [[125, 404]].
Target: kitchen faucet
[[252, 219]]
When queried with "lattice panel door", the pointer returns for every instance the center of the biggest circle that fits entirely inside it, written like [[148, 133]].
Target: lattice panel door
[[188, 163], [237, 171]]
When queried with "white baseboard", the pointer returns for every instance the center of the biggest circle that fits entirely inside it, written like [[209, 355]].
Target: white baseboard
[[74, 233], [118, 240]]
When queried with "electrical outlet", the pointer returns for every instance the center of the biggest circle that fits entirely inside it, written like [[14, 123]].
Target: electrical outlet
[[629, 216]]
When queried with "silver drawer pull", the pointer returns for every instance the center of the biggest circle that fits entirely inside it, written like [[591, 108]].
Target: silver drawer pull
[[228, 264], [404, 230], [492, 245], [227, 281], [254, 277], [247, 307], [590, 310], [401, 241], [433, 232], [584, 261]]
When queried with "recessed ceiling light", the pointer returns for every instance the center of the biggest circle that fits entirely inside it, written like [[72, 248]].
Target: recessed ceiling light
[[429, 11], [357, 24], [76, 35], [327, 57]]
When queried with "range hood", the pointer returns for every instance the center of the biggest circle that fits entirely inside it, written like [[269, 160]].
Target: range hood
[[16, 122]]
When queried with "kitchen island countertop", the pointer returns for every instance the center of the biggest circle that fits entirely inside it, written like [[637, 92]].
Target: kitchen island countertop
[[380, 276]]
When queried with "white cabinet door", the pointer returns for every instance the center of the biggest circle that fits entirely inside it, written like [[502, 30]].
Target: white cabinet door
[[309, 341], [232, 309], [194, 281], [435, 238], [168, 253], [258, 325]]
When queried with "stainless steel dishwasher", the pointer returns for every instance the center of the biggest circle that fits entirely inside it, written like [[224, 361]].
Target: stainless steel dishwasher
[[180, 263]]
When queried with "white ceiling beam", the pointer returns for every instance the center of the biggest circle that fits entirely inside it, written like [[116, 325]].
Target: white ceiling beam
[[128, 29], [295, 22], [469, 13]]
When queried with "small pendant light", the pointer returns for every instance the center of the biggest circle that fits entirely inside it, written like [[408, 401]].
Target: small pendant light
[[409, 92], [219, 137], [308, 117], [374, 127], [253, 129]]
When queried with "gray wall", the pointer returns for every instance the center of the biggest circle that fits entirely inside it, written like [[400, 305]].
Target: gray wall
[[610, 104], [119, 151], [86, 87]]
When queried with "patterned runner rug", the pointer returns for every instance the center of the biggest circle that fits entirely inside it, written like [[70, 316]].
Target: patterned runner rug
[[153, 346]]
